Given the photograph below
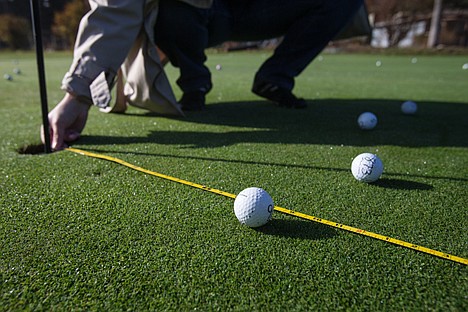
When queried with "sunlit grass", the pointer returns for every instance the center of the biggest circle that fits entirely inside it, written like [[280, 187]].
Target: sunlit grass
[[85, 234]]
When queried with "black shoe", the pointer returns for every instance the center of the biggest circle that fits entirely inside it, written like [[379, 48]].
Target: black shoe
[[279, 95], [193, 101]]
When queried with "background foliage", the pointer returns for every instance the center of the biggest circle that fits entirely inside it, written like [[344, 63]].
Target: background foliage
[[60, 17]]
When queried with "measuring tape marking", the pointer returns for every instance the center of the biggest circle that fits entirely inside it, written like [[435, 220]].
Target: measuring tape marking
[[280, 209]]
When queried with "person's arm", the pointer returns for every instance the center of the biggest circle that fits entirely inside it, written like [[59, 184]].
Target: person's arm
[[104, 39], [106, 34]]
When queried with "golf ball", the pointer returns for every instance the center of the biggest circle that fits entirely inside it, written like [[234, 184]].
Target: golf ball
[[367, 167], [378, 63], [409, 108], [367, 121], [465, 66], [17, 71], [253, 207], [7, 77], [219, 67]]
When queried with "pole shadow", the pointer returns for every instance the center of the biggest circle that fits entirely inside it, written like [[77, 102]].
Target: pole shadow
[[402, 184]]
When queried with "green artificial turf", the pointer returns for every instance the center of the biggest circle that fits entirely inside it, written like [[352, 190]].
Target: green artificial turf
[[78, 233]]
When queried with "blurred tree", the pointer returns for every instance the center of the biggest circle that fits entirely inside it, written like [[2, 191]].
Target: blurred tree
[[397, 17], [459, 4], [22, 8], [438, 7], [15, 32], [385, 10], [433, 38], [66, 22]]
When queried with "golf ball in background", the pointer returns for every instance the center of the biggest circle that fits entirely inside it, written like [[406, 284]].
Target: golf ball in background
[[367, 121], [409, 108], [219, 67], [465, 66], [367, 167], [253, 207], [17, 71], [378, 63], [7, 77]]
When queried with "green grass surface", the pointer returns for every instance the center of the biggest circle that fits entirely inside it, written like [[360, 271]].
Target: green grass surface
[[78, 233]]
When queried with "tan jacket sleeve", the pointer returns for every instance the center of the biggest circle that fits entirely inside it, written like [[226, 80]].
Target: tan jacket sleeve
[[105, 36], [114, 31]]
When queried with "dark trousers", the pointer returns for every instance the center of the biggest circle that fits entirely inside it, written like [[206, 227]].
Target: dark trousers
[[184, 32]]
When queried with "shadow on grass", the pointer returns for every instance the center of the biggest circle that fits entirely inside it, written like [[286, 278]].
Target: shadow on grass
[[324, 122], [389, 183], [402, 184], [300, 229], [327, 122]]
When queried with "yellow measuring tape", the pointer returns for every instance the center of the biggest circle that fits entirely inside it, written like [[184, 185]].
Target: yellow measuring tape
[[282, 210]]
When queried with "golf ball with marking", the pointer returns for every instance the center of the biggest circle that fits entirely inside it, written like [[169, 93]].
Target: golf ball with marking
[[409, 108], [367, 121], [367, 167], [253, 207]]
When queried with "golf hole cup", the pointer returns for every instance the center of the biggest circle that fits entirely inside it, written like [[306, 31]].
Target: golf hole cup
[[367, 167], [253, 207]]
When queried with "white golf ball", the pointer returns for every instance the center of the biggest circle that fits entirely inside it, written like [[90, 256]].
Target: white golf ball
[[17, 71], [409, 108], [367, 167], [219, 67], [253, 207], [465, 66], [367, 121], [378, 63], [7, 77]]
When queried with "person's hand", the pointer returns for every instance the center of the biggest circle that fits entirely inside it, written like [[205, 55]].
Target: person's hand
[[66, 121]]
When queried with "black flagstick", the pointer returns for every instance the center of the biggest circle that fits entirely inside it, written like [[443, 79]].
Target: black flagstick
[[37, 32]]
